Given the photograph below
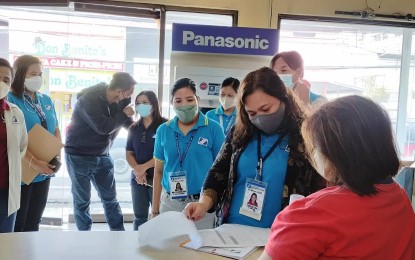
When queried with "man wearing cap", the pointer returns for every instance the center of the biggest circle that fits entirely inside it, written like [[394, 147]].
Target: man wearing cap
[[99, 114]]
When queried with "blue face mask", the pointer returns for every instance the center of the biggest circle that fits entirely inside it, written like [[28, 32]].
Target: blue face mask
[[144, 110], [287, 79]]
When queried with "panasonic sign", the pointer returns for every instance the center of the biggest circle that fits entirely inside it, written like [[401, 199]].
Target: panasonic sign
[[220, 39]]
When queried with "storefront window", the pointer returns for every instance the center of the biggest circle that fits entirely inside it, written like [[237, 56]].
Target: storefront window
[[78, 50], [344, 59]]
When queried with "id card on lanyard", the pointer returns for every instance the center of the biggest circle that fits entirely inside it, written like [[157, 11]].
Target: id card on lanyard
[[178, 180], [256, 189], [228, 127], [38, 109]]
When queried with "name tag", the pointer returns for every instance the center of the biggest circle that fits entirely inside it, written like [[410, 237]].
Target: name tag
[[48, 107], [178, 185]]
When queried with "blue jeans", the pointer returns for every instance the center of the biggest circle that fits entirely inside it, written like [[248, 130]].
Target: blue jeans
[[6, 222], [142, 196], [100, 171]]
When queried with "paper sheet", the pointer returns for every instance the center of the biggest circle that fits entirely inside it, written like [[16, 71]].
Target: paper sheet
[[230, 235], [162, 231]]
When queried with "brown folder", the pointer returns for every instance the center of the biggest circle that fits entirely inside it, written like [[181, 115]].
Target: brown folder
[[44, 146]]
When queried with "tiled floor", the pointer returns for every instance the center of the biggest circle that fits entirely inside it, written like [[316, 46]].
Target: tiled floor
[[72, 227]]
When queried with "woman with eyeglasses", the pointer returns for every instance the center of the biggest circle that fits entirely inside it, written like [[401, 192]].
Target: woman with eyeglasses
[[185, 149], [140, 147], [13, 143], [37, 109]]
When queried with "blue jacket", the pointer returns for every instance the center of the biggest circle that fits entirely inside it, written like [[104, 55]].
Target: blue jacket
[[95, 123]]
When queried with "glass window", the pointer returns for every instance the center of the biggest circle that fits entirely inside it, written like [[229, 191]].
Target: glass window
[[343, 59], [78, 50]]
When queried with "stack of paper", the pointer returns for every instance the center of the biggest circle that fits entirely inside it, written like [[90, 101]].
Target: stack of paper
[[230, 240]]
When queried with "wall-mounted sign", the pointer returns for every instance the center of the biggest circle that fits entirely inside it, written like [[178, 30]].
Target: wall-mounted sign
[[222, 39], [82, 64], [67, 40]]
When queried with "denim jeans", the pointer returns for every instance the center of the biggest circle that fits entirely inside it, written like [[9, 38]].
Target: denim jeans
[[6, 221], [32, 204], [142, 197], [100, 171]]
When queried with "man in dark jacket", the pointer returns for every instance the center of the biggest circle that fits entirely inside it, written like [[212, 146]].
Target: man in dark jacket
[[99, 114]]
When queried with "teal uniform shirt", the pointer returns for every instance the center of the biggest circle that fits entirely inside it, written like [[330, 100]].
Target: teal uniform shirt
[[273, 173], [225, 121], [32, 118], [207, 140]]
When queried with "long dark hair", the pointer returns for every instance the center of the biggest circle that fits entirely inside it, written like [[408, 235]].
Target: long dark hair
[[155, 113], [20, 66], [267, 80], [355, 136]]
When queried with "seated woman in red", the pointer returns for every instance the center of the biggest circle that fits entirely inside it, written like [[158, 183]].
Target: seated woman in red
[[366, 214]]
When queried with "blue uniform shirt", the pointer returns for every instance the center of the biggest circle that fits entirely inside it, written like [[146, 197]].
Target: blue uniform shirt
[[206, 144], [227, 121], [273, 173], [32, 118]]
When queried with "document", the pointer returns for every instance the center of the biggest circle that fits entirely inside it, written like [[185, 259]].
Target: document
[[229, 235], [166, 230], [172, 229], [44, 146], [231, 252]]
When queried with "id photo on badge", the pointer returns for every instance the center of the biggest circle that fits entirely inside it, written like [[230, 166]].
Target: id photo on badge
[[254, 198], [178, 185]]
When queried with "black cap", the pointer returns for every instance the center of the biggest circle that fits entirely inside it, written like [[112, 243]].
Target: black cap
[[122, 80]]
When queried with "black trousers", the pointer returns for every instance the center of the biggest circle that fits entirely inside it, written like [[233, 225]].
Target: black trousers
[[32, 204]]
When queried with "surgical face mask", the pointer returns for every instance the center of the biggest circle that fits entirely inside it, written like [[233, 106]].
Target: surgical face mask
[[33, 84], [4, 89], [270, 123], [227, 102], [320, 164], [144, 110], [186, 113], [287, 79]]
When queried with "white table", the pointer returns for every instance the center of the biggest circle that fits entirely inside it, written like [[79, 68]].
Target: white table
[[100, 245]]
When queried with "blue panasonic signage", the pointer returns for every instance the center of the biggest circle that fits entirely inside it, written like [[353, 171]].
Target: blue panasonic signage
[[227, 40]]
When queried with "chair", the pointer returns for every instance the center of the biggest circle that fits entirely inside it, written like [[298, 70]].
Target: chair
[[405, 178]]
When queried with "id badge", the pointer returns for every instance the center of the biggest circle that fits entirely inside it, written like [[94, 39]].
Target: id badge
[[178, 185], [254, 198]]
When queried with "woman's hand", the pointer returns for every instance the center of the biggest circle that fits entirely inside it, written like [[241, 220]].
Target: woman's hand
[[140, 170], [302, 92], [42, 167], [195, 210]]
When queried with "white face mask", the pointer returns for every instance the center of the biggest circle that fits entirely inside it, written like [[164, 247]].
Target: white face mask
[[33, 84], [227, 102], [4, 89]]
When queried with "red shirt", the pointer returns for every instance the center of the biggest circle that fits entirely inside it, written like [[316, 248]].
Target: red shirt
[[4, 161], [336, 223]]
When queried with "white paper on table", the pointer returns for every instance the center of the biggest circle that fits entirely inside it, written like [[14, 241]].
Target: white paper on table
[[229, 235], [231, 252], [161, 230]]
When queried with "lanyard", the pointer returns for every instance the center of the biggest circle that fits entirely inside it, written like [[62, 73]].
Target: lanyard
[[228, 127], [38, 110], [261, 160], [181, 158]]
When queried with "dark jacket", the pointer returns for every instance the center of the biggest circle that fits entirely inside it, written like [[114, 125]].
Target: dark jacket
[[301, 178], [95, 123]]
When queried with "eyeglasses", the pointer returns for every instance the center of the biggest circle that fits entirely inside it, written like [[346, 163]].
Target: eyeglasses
[[144, 137]]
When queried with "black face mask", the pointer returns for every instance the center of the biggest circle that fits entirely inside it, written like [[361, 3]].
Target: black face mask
[[270, 123]]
